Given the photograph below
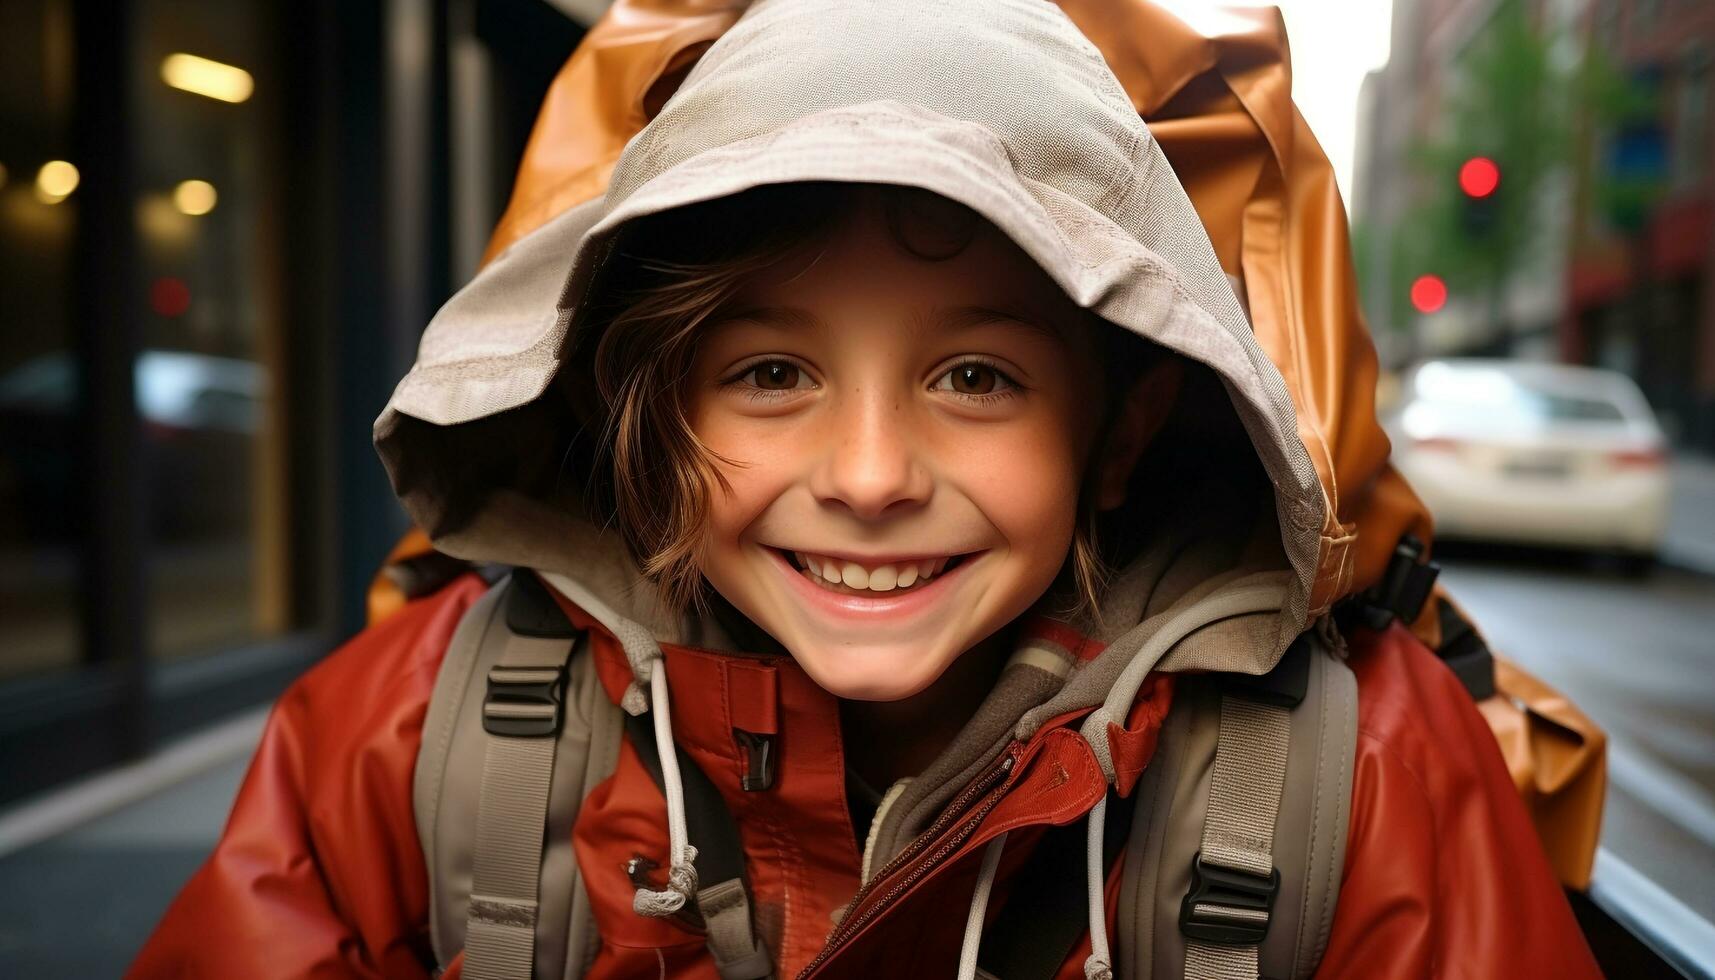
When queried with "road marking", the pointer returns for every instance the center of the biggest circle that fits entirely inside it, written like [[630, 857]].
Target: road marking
[[1674, 797], [61, 810]]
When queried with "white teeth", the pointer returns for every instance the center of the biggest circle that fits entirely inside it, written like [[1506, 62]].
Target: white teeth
[[883, 578]]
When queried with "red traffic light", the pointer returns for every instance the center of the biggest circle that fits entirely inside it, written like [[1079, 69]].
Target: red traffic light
[[1479, 176], [1428, 294]]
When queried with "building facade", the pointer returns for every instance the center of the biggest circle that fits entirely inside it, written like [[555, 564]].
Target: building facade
[[1615, 270], [1640, 292], [223, 227]]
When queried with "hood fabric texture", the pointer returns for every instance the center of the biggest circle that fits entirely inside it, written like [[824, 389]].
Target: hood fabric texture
[[1004, 107]]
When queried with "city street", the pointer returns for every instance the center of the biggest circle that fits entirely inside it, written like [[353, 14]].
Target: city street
[[1636, 654]]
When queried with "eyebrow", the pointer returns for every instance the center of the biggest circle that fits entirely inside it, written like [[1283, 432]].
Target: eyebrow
[[956, 317], [793, 317], [961, 317]]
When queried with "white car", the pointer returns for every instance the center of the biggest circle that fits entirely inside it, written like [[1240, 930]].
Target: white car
[[1533, 453]]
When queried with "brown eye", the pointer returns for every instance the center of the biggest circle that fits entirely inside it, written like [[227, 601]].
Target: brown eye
[[977, 381], [776, 375], [974, 379]]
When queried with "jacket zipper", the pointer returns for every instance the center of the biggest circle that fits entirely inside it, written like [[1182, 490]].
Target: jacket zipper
[[855, 920]]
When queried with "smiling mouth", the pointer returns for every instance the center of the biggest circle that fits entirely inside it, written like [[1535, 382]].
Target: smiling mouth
[[850, 578]]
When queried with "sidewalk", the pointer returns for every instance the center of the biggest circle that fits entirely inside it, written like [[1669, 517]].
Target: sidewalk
[[1690, 539], [87, 871]]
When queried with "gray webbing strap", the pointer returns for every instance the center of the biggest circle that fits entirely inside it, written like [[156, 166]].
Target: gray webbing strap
[[1238, 839], [522, 716], [731, 940]]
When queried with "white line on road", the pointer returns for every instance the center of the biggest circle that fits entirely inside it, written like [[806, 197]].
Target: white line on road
[[1670, 794], [56, 812]]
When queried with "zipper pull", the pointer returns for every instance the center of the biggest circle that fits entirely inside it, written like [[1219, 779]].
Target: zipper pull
[[758, 753]]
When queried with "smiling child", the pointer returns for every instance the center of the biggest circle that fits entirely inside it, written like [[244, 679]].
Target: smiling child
[[914, 565]]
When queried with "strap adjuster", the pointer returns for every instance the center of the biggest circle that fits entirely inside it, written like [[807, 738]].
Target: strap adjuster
[[1404, 587], [524, 702], [1227, 907]]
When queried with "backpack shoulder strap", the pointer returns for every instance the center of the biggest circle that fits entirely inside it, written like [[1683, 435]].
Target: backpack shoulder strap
[[1240, 831], [517, 724]]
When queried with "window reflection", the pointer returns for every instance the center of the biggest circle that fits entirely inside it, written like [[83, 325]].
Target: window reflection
[[39, 483], [205, 379]]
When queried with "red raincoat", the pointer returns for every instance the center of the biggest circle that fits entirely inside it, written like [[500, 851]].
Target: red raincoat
[[320, 873]]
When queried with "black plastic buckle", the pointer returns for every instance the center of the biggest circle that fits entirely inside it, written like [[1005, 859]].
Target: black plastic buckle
[[1404, 587], [1464, 651], [524, 702], [1214, 889]]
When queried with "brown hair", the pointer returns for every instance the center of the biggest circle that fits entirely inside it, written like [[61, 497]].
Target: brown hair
[[667, 275]]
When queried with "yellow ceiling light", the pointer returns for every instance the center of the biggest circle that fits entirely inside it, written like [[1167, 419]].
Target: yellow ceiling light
[[55, 181], [213, 79], [195, 197]]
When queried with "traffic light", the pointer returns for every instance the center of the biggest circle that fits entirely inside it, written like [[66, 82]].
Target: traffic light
[[1428, 293], [1479, 197], [1479, 177]]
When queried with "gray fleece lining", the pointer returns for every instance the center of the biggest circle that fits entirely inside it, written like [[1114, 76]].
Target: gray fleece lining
[[1020, 688]]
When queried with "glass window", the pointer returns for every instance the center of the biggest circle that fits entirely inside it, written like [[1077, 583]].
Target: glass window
[[40, 486], [207, 375]]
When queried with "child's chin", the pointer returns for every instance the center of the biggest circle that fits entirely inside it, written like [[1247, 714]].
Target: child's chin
[[869, 675]]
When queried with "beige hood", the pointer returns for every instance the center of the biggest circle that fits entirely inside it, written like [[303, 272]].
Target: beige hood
[[1002, 106]]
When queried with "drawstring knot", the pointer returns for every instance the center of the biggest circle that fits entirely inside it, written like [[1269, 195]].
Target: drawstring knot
[[634, 702], [681, 885]]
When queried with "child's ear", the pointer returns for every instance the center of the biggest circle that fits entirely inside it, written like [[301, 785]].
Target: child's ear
[[1138, 417]]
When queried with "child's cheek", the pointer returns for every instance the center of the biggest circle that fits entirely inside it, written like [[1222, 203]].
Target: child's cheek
[[1024, 478], [767, 473]]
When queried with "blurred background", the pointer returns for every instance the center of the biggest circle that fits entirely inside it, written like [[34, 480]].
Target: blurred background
[[223, 226]]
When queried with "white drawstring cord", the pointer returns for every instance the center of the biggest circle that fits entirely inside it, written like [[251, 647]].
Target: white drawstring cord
[[1100, 965], [979, 909], [682, 873]]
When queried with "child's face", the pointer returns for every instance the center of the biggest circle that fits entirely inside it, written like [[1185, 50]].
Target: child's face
[[892, 414]]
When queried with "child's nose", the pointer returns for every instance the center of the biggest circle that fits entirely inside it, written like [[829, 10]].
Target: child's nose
[[872, 465]]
